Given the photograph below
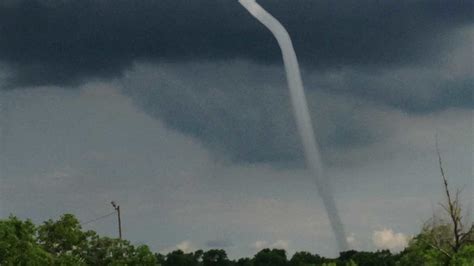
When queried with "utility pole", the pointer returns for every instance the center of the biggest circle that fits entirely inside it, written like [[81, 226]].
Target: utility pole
[[117, 208]]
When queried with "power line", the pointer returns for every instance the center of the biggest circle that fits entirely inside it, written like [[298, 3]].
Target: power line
[[98, 218]]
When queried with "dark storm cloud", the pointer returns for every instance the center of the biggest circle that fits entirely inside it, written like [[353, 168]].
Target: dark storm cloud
[[352, 53], [241, 110], [235, 110], [63, 42]]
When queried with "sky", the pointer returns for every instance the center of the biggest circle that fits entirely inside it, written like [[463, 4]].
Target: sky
[[179, 111]]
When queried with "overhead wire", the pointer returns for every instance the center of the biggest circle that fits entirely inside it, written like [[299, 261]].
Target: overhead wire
[[98, 218]]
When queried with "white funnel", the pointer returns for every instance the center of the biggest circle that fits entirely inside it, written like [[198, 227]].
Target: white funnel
[[303, 119]]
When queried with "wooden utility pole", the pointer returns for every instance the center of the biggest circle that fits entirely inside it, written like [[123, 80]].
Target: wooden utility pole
[[117, 208]]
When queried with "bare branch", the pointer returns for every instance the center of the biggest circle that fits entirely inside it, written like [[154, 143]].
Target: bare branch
[[465, 236], [444, 207], [453, 207]]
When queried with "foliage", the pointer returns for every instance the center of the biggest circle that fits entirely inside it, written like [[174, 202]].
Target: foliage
[[432, 247], [215, 257], [465, 256], [179, 258], [380, 257], [244, 262], [63, 242], [64, 236], [18, 245], [305, 259], [273, 257], [443, 241]]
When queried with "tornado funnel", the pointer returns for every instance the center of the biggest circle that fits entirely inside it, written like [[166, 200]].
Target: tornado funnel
[[303, 118]]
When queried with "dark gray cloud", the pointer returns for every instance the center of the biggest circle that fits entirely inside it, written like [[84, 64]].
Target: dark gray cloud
[[234, 109], [219, 243], [62, 42], [201, 80], [242, 110]]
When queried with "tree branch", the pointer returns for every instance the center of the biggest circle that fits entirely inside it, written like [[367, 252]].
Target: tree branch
[[438, 248], [453, 206]]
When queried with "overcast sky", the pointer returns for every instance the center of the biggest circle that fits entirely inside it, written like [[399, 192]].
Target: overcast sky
[[179, 111]]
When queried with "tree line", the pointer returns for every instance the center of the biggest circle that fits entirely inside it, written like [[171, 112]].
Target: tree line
[[64, 242]]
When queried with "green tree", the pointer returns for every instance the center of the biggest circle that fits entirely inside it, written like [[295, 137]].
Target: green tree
[[442, 241], [63, 238], [433, 247], [380, 257], [179, 258], [69, 245], [273, 257], [244, 262], [198, 254], [18, 244], [110, 251], [142, 255], [464, 257], [305, 259], [215, 257], [160, 258]]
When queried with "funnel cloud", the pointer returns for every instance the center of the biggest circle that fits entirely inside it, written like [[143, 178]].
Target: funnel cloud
[[180, 111], [303, 119]]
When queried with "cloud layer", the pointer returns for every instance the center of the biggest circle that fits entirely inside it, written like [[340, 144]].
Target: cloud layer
[[210, 71], [241, 110], [57, 42]]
